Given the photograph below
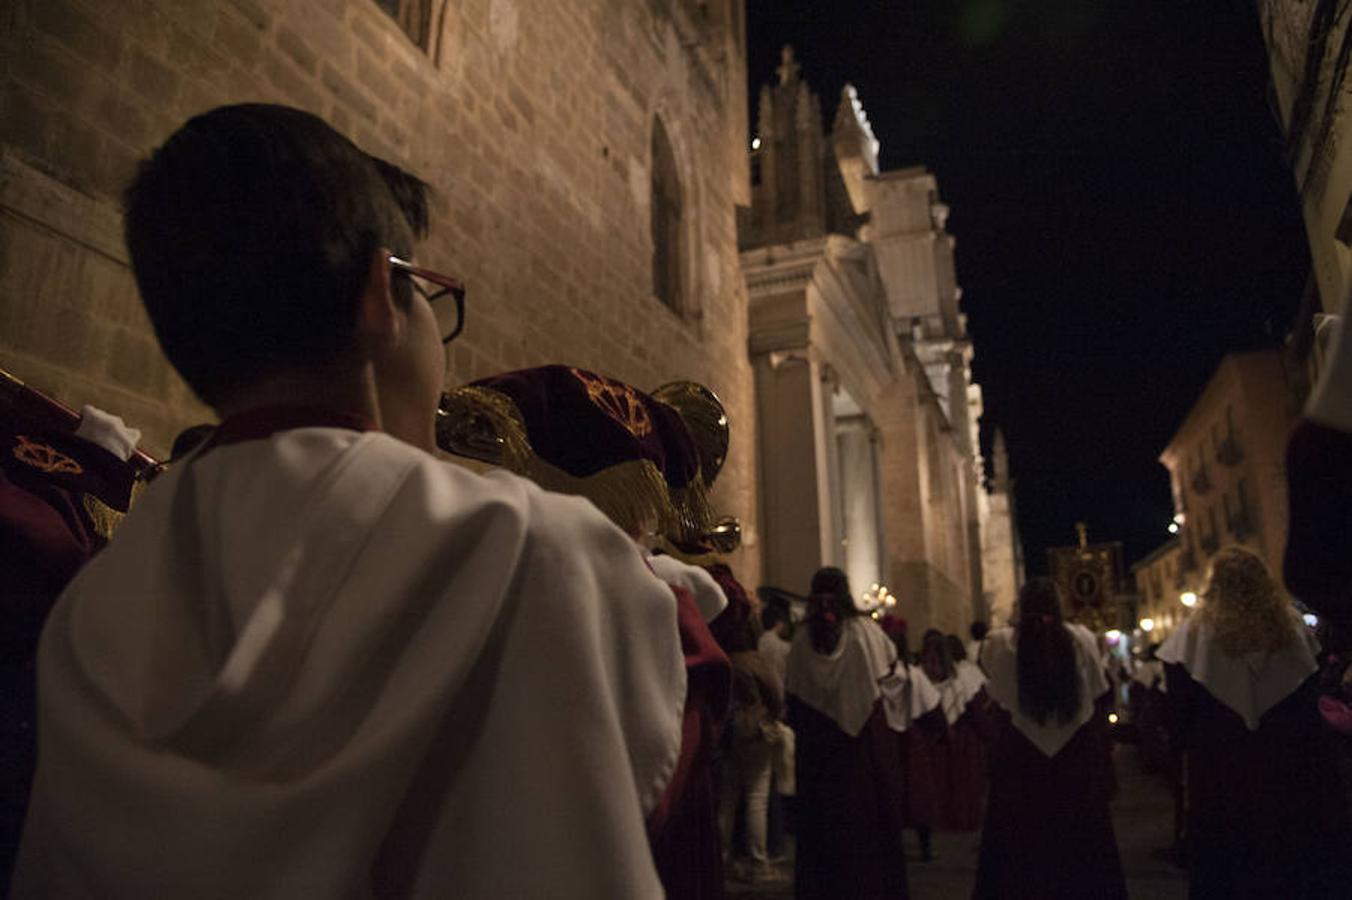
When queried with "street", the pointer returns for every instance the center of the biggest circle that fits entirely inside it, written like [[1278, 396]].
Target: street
[[1142, 817]]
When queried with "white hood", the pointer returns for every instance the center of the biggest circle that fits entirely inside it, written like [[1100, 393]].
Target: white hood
[[312, 657]]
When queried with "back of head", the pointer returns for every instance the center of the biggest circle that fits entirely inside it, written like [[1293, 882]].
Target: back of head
[[978, 630], [956, 649], [935, 655], [1243, 604], [828, 606], [772, 614], [1049, 680], [252, 231]]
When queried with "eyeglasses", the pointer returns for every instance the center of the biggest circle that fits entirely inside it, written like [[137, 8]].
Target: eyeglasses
[[446, 285]]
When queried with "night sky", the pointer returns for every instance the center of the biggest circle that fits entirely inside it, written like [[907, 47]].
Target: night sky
[[1122, 210]]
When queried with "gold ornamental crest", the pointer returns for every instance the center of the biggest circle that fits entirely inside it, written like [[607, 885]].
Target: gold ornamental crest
[[44, 457], [618, 401]]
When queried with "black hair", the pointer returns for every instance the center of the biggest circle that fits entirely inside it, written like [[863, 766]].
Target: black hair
[[828, 606], [978, 630], [956, 649], [772, 614], [251, 233], [1049, 680], [934, 647]]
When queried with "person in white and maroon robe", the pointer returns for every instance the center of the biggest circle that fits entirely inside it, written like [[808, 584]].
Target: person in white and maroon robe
[[915, 711], [1267, 813], [317, 661], [850, 782], [1048, 832]]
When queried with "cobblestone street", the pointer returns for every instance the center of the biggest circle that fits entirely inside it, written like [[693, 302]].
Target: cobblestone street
[[1142, 817]]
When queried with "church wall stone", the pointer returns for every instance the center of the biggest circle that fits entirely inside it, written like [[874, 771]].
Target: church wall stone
[[532, 119]]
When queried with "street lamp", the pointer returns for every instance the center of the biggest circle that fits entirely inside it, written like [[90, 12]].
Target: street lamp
[[1188, 599], [1147, 624]]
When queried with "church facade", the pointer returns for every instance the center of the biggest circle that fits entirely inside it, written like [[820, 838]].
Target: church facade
[[869, 452]]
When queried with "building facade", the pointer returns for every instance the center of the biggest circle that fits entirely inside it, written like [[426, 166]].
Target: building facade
[[1227, 467], [587, 160], [1308, 44], [1166, 592], [866, 409], [1002, 563]]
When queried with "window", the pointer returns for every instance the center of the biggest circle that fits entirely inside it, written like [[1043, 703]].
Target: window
[[666, 220], [413, 16]]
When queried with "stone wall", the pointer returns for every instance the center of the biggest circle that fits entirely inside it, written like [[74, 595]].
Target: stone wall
[[532, 119]]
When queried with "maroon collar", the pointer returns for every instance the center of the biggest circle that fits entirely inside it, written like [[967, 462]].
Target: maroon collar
[[265, 421]]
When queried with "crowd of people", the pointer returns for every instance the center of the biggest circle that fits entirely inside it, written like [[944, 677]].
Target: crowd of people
[[315, 659]]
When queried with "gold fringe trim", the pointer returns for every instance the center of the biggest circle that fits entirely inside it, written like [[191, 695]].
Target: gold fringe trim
[[665, 544], [474, 415], [104, 518], [695, 515], [632, 494]]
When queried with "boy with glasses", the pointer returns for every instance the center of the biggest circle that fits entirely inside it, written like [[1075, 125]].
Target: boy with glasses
[[317, 661]]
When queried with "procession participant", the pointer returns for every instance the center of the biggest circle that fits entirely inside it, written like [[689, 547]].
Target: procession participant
[[849, 798], [957, 753], [66, 480], [578, 432], [1267, 815], [1048, 831], [318, 661], [978, 631], [915, 711], [775, 640]]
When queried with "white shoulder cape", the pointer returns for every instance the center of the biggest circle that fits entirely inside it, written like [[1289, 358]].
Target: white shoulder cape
[[1250, 684], [999, 657], [956, 692], [907, 694], [843, 684], [709, 597], [309, 657]]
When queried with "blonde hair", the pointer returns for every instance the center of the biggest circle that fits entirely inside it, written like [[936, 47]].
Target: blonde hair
[[1244, 605]]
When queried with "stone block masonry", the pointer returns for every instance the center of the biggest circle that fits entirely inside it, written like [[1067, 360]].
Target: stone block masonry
[[532, 119]]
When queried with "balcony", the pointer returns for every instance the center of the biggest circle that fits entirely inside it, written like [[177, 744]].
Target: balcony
[[1241, 523], [1200, 482], [1230, 453]]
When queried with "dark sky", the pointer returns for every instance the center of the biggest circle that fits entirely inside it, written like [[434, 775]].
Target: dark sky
[[1122, 211]]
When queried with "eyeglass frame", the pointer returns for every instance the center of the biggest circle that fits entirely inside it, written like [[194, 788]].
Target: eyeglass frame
[[448, 285]]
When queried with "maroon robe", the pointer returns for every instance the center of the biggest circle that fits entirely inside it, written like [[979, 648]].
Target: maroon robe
[[1266, 811], [1048, 832], [849, 805], [953, 759], [921, 768], [683, 829], [965, 796], [46, 536]]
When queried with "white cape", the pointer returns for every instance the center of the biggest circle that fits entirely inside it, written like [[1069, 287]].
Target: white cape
[[956, 692], [1250, 684], [326, 654], [1000, 659], [907, 694], [843, 684], [709, 597]]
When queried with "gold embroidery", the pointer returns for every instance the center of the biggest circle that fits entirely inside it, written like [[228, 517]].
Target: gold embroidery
[[619, 401], [44, 458], [104, 518]]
